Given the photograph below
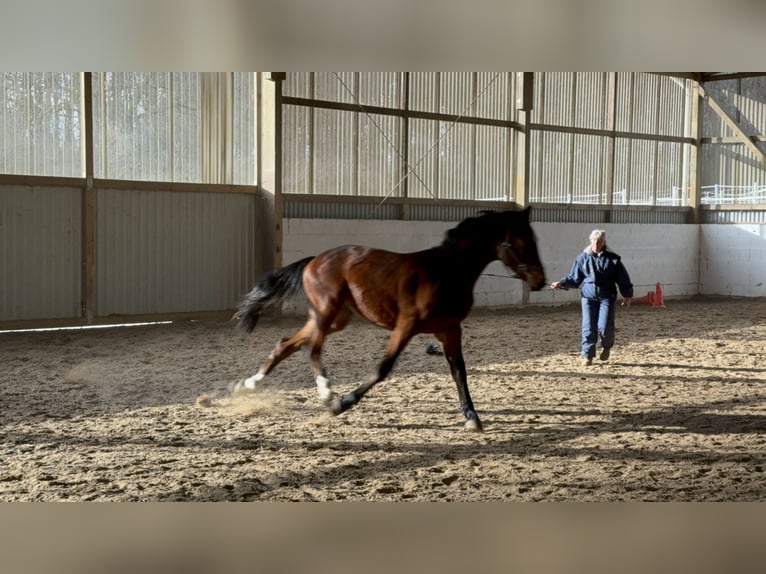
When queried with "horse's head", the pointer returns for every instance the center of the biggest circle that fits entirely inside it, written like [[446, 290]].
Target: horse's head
[[518, 249]]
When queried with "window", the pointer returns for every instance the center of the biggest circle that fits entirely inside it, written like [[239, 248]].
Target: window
[[147, 126], [170, 126], [40, 124], [190, 127]]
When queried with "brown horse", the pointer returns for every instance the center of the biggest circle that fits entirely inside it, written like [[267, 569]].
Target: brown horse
[[428, 291]]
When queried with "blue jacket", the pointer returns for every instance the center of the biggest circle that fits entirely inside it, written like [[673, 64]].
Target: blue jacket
[[600, 275]]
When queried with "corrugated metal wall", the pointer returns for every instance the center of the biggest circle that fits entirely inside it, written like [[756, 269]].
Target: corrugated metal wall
[[352, 152], [307, 207], [156, 252], [334, 152], [423, 179], [82, 250], [595, 137], [571, 167], [40, 252], [379, 162], [567, 168], [733, 216], [439, 146], [165, 252], [607, 214], [570, 99], [492, 163], [296, 149]]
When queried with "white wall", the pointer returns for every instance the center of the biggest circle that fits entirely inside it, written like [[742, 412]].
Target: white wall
[[733, 260], [652, 253]]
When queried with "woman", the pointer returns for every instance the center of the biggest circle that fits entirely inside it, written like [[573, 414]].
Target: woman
[[601, 273]]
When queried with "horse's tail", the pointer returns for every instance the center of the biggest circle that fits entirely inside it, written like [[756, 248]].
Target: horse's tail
[[271, 289]]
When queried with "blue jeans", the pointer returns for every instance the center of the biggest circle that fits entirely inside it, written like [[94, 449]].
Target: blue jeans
[[597, 320]]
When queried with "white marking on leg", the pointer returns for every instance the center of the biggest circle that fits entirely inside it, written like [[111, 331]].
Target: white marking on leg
[[251, 382], [323, 388]]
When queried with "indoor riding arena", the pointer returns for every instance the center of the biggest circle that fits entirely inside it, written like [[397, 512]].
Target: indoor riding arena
[[143, 215]]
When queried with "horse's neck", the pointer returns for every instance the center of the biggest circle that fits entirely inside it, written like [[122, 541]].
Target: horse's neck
[[470, 260]]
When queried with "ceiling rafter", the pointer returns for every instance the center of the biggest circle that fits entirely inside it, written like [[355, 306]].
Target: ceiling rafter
[[703, 77], [733, 125], [697, 76], [719, 76]]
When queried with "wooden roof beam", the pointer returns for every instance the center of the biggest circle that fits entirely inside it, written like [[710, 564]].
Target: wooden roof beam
[[729, 121], [719, 76], [696, 76]]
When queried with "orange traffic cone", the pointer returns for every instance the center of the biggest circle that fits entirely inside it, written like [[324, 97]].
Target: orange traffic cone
[[658, 301], [647, 299]]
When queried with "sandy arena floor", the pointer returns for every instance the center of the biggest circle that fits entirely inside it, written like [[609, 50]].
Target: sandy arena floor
[[677, 414]]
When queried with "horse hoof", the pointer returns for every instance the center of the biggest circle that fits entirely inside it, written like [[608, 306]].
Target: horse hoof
[[336, 406], [473, 425], [329, 399], [241, 388], [434, 349]]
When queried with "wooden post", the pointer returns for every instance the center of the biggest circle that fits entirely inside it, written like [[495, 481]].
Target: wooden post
[[278, 78], [611, 123], [524, 97], [88, 307], [404, 145], [695, 153]]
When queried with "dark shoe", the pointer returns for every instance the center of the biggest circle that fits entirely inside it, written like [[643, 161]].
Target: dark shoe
[[586, 361], [604, 354]]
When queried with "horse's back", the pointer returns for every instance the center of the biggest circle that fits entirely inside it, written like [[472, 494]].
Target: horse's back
[[370, 281], [348, 261], [385, 287]]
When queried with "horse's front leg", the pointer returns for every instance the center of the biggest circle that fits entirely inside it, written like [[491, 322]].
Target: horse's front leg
[[453, 351], [400, 336]]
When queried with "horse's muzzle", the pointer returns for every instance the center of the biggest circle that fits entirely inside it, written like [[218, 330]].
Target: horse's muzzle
[[534, 277]]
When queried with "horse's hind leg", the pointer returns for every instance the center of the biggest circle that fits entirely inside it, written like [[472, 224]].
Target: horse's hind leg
[[331, 321], [282, 350], [451, 342]]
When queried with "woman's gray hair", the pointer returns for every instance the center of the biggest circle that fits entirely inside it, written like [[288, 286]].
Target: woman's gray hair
[[595, 234]]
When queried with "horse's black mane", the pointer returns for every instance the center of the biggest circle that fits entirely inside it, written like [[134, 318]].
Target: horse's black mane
[[476, 226]]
